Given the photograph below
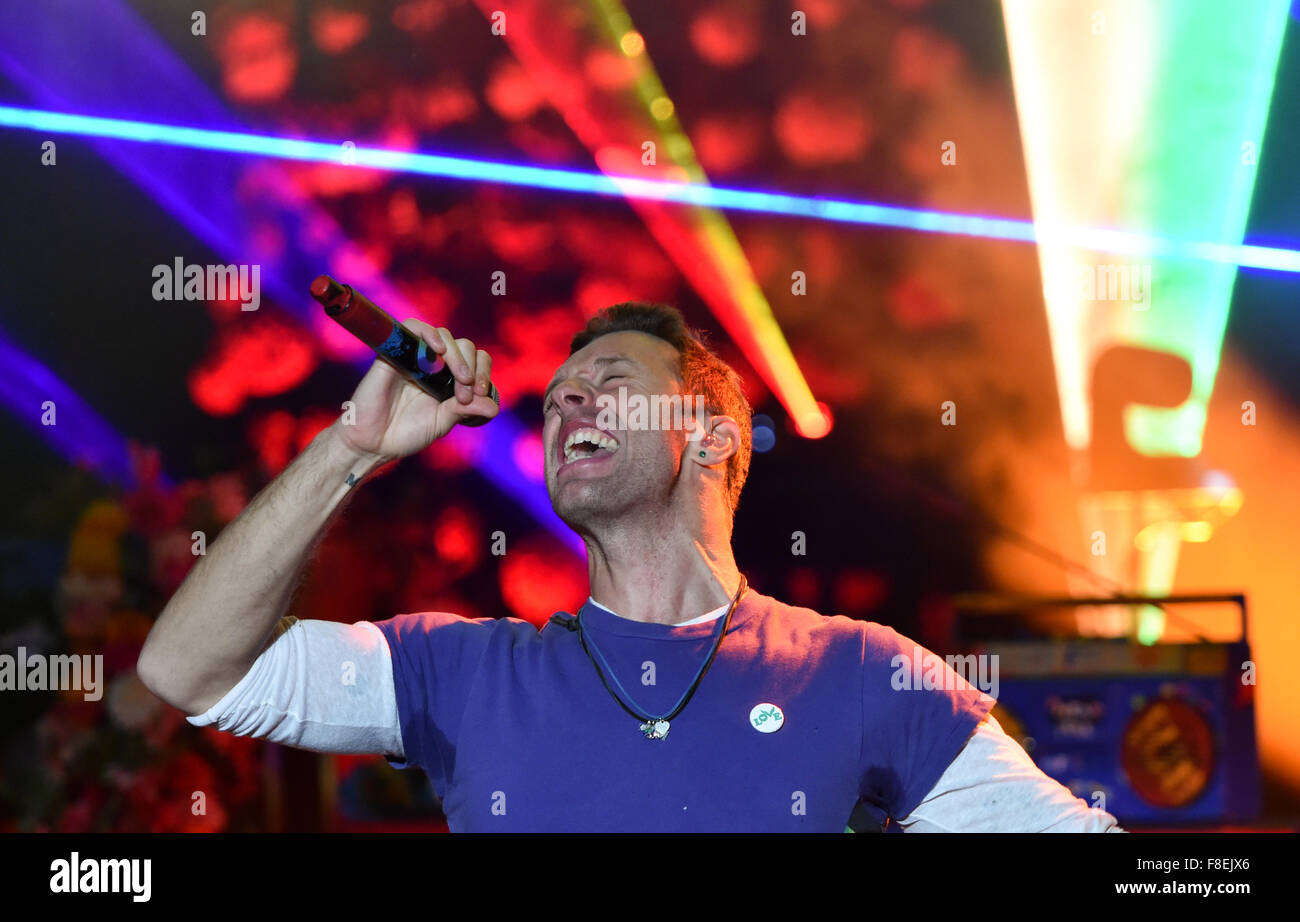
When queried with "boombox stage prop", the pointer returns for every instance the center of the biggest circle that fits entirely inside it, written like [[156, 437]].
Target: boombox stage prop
[[1160, 734]]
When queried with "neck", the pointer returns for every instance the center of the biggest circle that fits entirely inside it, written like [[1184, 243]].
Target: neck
[[663, 571]]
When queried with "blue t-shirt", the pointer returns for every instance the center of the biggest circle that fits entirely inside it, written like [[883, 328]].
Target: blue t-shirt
[[517, 733]]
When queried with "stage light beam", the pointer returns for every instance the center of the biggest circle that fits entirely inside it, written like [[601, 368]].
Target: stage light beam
[[872, 214]]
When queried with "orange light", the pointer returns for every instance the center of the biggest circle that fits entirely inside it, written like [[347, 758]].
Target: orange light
[[815, 425], [661, 108], [632, 44]]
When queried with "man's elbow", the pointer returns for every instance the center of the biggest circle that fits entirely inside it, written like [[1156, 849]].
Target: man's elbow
[[158, 675], [149, 672]]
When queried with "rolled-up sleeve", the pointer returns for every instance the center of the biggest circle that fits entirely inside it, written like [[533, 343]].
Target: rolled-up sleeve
[[321, 686], [993, 786]]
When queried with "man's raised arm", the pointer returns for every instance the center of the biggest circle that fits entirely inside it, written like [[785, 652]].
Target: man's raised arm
[[222, 616]]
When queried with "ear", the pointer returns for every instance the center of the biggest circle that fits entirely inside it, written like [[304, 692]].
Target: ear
[[717, 439]]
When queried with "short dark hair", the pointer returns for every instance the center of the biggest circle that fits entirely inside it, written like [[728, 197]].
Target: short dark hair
[[701, 370]]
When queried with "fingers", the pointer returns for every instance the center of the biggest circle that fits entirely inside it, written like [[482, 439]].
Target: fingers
[[460, 355], [483, 373], [457, 353], [425, 331]]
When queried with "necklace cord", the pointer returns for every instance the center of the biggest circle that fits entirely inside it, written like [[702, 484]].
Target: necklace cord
[[695, 683]]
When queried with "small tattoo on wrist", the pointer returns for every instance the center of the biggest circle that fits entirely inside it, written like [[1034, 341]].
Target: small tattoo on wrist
[[352, 479]]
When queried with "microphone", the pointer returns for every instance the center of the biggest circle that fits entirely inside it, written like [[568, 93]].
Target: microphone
[[407, 353]]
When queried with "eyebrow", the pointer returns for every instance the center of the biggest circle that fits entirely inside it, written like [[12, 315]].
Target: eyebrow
[[601, 362]]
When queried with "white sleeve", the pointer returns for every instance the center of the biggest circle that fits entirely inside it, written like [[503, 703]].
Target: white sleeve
[[321, 686], [993, 786]]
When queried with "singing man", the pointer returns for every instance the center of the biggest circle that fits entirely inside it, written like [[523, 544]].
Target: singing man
[[676, 699]]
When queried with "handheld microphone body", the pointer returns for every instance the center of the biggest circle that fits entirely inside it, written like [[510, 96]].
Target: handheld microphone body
[[407, 353]]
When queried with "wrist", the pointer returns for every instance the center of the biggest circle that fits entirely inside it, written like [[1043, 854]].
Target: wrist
[[345, 456]]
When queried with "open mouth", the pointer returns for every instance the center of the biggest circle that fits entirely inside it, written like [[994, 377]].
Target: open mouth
[[585, 443]]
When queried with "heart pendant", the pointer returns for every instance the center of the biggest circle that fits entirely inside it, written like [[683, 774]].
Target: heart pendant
[[655, 729]]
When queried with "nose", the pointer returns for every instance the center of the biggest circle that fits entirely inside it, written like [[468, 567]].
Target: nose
[[573, 393]]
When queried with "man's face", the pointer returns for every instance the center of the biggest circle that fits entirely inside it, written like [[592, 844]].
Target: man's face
[[596, 472]]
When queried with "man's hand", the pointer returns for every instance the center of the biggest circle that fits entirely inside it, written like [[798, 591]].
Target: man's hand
[[394, 418]]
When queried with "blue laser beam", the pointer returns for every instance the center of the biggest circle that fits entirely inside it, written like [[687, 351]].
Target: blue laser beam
[[577, 181], [147, 75], [53, 409]]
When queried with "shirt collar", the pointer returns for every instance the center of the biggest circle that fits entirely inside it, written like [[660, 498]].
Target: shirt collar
[[599, 618], [702, 619]]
